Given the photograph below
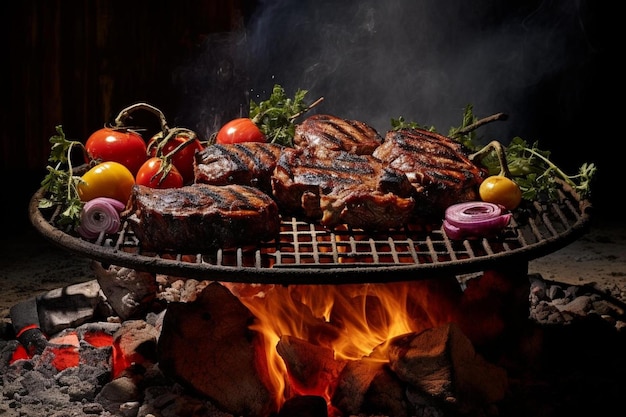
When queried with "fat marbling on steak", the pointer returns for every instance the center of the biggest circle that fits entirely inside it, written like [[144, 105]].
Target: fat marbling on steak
[[327, 132], [248, 163], [338, 187], [201, 217], [437, 166]]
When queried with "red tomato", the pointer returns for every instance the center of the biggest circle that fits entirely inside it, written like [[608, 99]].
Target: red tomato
[[117, 145], [183, 158], [240, 130], [150, 176]]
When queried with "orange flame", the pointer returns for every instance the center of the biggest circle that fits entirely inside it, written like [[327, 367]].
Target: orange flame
[[352, 320]]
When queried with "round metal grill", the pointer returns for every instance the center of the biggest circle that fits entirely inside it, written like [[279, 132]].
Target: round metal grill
[[307, 253]]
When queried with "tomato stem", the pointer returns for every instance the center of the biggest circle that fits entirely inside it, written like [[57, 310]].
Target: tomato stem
[[500, 153], [167, 136], [125, 113]]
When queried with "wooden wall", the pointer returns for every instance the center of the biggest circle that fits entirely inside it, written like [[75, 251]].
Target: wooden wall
[[78, 63]]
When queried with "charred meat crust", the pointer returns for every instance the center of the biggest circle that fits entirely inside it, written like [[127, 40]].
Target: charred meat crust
[[345, 188], [242, 163], [202, 217], [437, 166], [327, 132]]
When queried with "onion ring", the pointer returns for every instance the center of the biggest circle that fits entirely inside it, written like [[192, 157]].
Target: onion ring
[[474, 219], [101, 214]]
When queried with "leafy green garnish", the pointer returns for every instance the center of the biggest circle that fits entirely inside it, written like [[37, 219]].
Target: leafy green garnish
[[529, 166], [276, 116], [400, 123], [532, 169], [60, 184]]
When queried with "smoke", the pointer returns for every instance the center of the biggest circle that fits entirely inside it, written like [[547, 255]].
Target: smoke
[[422, 60]]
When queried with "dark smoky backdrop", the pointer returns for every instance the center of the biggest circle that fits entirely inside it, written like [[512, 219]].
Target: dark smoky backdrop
[[551, 66]]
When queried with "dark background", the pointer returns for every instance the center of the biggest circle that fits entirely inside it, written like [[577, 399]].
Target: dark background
[[78, 63]]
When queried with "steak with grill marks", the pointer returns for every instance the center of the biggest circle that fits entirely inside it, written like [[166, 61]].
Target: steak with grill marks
[[327, 132], [437, 166], [342, 188], [250, 163], [201, 217]]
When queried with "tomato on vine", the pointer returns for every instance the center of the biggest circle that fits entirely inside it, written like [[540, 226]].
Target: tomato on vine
[[159, 173], [180, 146], [117, 144]]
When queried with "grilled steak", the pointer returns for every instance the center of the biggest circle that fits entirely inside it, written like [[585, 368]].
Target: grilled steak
[[201, 217], [437, 166], [242, 163], [328, 132], [341, 188]]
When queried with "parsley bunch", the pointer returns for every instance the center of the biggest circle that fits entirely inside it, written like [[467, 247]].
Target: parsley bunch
[[60, 183], [275, 116], [534, 172]]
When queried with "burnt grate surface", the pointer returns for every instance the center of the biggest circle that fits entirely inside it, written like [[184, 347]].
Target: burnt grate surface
[[308, 253]]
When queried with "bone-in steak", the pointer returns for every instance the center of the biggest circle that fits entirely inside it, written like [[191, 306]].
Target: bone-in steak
[[342, 188], [437, 166], [201, 217]]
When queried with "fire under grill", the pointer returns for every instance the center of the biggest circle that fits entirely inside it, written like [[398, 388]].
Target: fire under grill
[[308, 253]]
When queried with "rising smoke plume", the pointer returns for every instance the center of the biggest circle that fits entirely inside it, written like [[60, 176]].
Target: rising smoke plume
[[376, 60]]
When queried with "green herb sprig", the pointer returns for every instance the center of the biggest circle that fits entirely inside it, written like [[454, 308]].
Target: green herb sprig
[[529, 166], [276, 116], [532, 169], [60, 183]]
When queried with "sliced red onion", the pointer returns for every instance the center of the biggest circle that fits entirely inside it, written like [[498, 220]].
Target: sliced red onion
[[101, 214], [474, 219]]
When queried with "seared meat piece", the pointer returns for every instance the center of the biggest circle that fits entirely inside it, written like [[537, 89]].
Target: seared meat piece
[[343, 188], [437, 166], [242, 163], [333, 133], [201, 217]]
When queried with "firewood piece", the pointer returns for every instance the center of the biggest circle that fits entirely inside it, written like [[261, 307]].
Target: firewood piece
[[442, 362], [312, 368], [369, 386], [136, 345], [207, 344], [129, 292]]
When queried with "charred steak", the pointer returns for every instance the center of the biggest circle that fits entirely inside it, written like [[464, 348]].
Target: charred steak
[[327, 132], [437, 166], [201, 217], [342, 188], [249, 163]]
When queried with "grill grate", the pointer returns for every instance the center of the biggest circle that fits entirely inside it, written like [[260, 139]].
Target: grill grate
[[307, 253]]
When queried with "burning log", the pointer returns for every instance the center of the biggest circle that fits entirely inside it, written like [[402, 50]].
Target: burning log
[[135, 345], [443, 363], [207, 345], [312, 369], [369, 386]]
